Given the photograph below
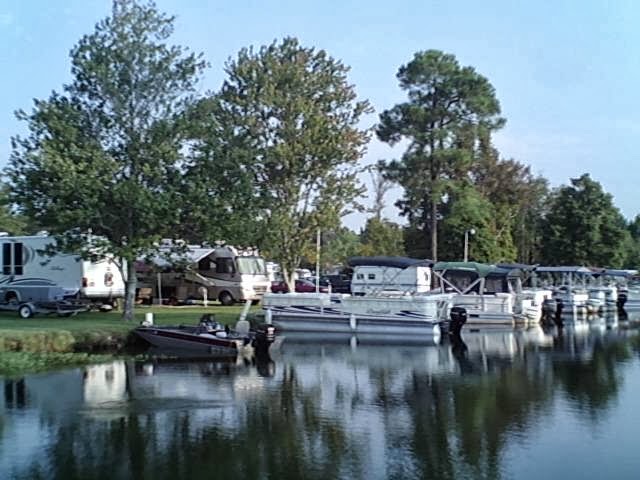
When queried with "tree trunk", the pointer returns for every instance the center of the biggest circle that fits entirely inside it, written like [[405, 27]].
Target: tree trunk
[[288, 275], [434, 231], [130, 291]]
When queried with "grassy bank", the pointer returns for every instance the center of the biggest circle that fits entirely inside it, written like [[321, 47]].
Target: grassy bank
[[19, 363], [93, 331]]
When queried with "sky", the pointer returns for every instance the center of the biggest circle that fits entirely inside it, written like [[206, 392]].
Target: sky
[[566, 73]]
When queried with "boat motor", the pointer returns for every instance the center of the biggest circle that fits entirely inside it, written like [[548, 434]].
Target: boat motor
[[458, 318], [264, 336]]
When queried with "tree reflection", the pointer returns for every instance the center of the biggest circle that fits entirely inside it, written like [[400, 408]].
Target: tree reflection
[[280, 435], [337, 415]]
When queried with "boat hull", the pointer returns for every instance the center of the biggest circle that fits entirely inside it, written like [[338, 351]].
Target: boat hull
[[176, 340], [363, 315], [327, 323]]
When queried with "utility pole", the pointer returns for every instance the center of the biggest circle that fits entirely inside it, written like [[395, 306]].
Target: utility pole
[[471, 231], [318, 238]]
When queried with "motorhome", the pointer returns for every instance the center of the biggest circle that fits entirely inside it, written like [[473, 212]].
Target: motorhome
[[223, 273], [29, 273], [374, 275]]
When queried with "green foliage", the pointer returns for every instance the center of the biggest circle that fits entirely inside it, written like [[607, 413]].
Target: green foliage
[[106, 154], [10, 222], [337, 247], [583, 227], [633, 256], [381, 237], [36, 341], [293, 111], [448, 106], [517, 200], [222, 193], [19, 363], [467, 210]]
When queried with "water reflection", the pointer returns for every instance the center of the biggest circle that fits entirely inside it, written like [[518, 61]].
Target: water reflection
[[338, 407]]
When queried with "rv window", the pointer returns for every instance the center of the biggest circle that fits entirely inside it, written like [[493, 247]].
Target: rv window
[[372, 276], [17, 258], [6, 259], [204, 264], [360, 276], [224, 265]]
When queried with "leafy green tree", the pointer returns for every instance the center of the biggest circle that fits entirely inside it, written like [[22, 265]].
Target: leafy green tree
[[337, 247], [448, 106], [466, 210], [633, 256], [381, 237], [10, 221], [517, 200], [105, 155], [298, 118], [221, 193], [584, 227]]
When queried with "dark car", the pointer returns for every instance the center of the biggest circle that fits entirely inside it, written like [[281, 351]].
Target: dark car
[[302, 286], [340, 283]]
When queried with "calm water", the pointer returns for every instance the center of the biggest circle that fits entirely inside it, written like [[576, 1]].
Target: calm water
[[507, 404]]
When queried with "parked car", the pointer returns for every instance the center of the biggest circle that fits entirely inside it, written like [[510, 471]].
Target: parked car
[[302, 286], [340, 283]]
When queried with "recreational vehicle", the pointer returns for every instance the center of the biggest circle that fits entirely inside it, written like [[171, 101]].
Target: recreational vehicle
[[223, 273], [30, 274], [373, 275]]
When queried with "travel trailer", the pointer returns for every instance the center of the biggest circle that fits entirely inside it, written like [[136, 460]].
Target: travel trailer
[[373, 275], [223, 273], [30, 274]]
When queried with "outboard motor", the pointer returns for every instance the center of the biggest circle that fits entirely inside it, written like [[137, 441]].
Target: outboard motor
[[622, 299], [458, 319], [265, 335]]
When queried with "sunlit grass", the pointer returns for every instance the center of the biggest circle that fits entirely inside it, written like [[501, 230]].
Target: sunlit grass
[[94, 331]]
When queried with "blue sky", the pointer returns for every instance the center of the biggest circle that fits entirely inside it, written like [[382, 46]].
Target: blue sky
[[566, 73]]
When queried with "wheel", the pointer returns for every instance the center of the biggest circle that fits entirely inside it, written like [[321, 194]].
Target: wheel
[[25, 311], [226, 299], [11, 297]]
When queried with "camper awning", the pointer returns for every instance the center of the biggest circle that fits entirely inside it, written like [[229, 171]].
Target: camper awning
[[397, 262], [481, 269], [191, 256]]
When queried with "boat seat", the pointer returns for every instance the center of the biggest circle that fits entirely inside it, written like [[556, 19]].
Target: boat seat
[[242, 327]]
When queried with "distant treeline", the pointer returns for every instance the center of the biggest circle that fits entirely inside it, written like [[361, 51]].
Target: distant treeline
[[132, 151]]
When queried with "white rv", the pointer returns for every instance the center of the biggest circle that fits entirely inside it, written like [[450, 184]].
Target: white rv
[[374, 275], [29, 274], [224, 273]]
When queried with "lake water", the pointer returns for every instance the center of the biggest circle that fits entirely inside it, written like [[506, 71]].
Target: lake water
[[526, 404]]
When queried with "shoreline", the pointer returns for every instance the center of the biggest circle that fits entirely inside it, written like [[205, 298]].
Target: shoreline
[[49, 342]]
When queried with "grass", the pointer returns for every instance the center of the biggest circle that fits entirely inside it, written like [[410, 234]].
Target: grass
[[19, 363], [94, 331]]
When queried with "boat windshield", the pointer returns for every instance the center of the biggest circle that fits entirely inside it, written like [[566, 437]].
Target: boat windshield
[[251, 265]]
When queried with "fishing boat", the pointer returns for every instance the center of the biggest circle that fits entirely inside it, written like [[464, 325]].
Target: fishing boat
[[208, 336]]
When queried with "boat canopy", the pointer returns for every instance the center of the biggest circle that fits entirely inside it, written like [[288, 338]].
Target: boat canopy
[[584, 270], [481, 269], [517, 266], [384, 261], [619, 273]]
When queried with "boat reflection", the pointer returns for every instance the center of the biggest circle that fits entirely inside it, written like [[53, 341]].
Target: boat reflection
[[341, 407]]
